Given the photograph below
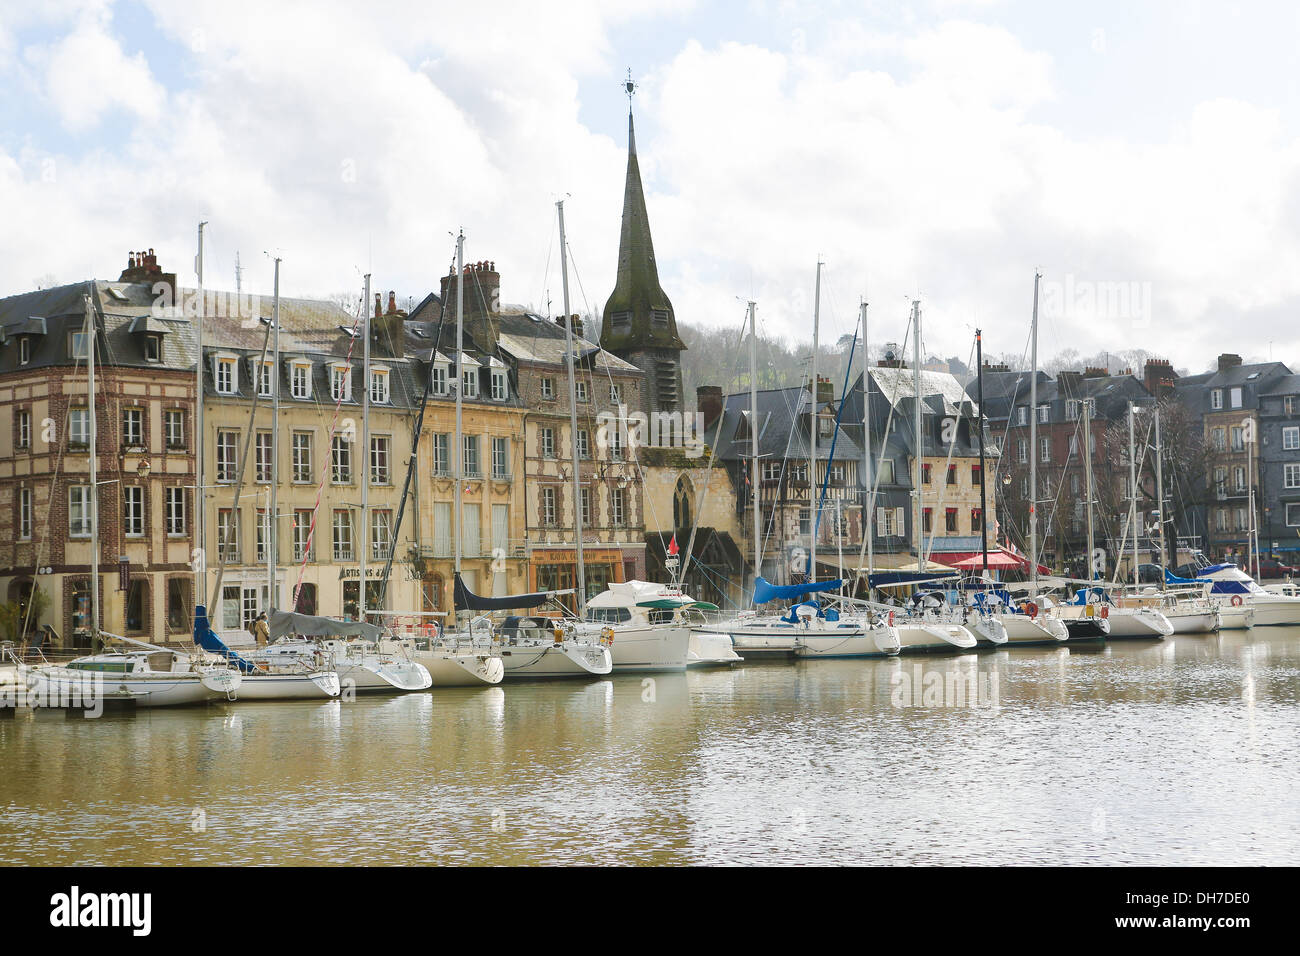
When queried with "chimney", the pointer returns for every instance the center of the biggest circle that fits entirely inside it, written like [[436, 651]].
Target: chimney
[[708, 399], [392, 302], [1093, 371], [825, 390], [1158, 376], [482, 299], [143, 268], [1227, 360], [388, 329], [1000, 367], [1069, 383], [575, 320], [379, 312]]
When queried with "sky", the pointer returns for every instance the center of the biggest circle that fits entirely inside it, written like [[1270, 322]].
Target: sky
[[1144, 158]]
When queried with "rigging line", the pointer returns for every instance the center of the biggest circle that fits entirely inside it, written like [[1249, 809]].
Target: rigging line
[[943, 491], [325, 469], [839, 412], [869, 519]]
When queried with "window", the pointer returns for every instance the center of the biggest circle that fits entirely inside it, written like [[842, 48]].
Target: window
[[950, 520], [546, 437], [227, 376], [174, 427], [381, 534], [1293, 515], [1288, 405], [976, 520], [470, 467], [1074, 446], [585, 496], [771, 471], [79, 346], [24, 437], [1291, 437], [302, 456], [616, 444], [174, 499], [837, 474], [1074, 484], [263, 535], [825, 425], [340, 460], [580, 387], [1234, 397], [1021, 455], [617, 507], [24, 350], [500, 458], [265, 376], [178, 605], [805, 521], [133, 511], [584, 443], [341, 383], [1237, 443], [887, 522], [1218, 438], [1291, 476], [976, 475], [380, 459], [925, 520], [548, 510], [1221, 519], [925, 474], [301, 535], [78, 426], [469, 381], [616, 394], [1071, 409], [152, 348], [441, 453], [1239, 478], [227, 456], [300, 380], [342, 528], [379, 393], [1044, 449], [24, 513], [439, 379], [1022, 415], [262, 456], [1216, 398], [500, 385], [441, 529], [952, 474], [227, 534], [133, 427], [1221, 481], [886, 473]]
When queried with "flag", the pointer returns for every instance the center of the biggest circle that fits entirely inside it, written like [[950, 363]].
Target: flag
[[672, 545]]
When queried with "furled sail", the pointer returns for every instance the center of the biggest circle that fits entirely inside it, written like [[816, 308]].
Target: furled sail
[[286, 622], [764, 592], [467, 600]]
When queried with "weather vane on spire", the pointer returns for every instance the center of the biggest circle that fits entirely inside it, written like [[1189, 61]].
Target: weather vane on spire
[[630, 87]]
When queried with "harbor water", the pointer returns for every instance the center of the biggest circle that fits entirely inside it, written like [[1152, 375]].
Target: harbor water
[[1185, 751]]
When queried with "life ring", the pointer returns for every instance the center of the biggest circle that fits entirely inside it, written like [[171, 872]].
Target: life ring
[[1236, 600], [1105, 611], [1031, 609]]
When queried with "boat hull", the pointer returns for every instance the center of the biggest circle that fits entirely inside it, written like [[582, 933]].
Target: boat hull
[[1087, 629], [921, 638], [1138, 624], [59, 687], [708, 649], [1195, 622], [549, 661], [318, 685], [879, 641], [987, 629], [1041, 629], [1237, 618], [1274, 611], [650, 649]]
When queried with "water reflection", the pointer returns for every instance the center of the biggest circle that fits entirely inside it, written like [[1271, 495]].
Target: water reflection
[[1181, 751]]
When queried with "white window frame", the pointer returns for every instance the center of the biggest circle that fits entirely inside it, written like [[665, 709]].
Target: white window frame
[[225, 374], [381, 459], [301, 463], [380, 390], [469, 381], [381, 533], [548, 387], [1234, 397], [500, 458], [548, 506], [133, 426], [227, 455], [341, 460], [1291, 437], [440, 453], [265, 372], [618, 507], [174, 501], [341, 382], [24, 428], [500, 385], [341, 535], [1293, 514], [263, 445], [174, 427], [24, 514], [439, 374], [300, 380], [1291, 475], [1216, 398], [133, 511], [546, 442], [79, 425], [470, 461]]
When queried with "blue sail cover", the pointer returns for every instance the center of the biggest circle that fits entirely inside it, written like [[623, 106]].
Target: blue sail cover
[[1171, 578], [894, 579], [764, 592], [207, 639]]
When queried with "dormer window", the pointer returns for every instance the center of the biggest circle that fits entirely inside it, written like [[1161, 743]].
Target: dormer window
[[300, 380], [226, 374], [153, 348], [24, 350], [341, 383], [265, 375], [500, 385], [439, 379], [379, 391], [79, 345], [580, 388], [548, 388], [470, 383]]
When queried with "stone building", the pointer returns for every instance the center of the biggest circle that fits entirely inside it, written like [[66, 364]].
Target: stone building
[[143, 409]]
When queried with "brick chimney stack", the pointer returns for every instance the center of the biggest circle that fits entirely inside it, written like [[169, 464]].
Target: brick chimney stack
[[575, 320], [1228, 360], [708, 399], [142, 267], [1159, 377]]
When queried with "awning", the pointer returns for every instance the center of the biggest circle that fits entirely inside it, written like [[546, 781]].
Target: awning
[[999, 559]]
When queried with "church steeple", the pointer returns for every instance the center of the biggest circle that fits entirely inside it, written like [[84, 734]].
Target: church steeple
[[638, 323]]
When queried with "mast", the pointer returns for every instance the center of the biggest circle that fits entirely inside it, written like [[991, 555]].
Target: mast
[[1033, 445], [94, 480], [570, 350], [753, 435], [813, 420], [869, 508], [1087, 479], [201, 566], [1252, 543], [459, 450], [1160, 498], [979, 424], [272, 518], [365, 447], [916, 422], [1132, 481]]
